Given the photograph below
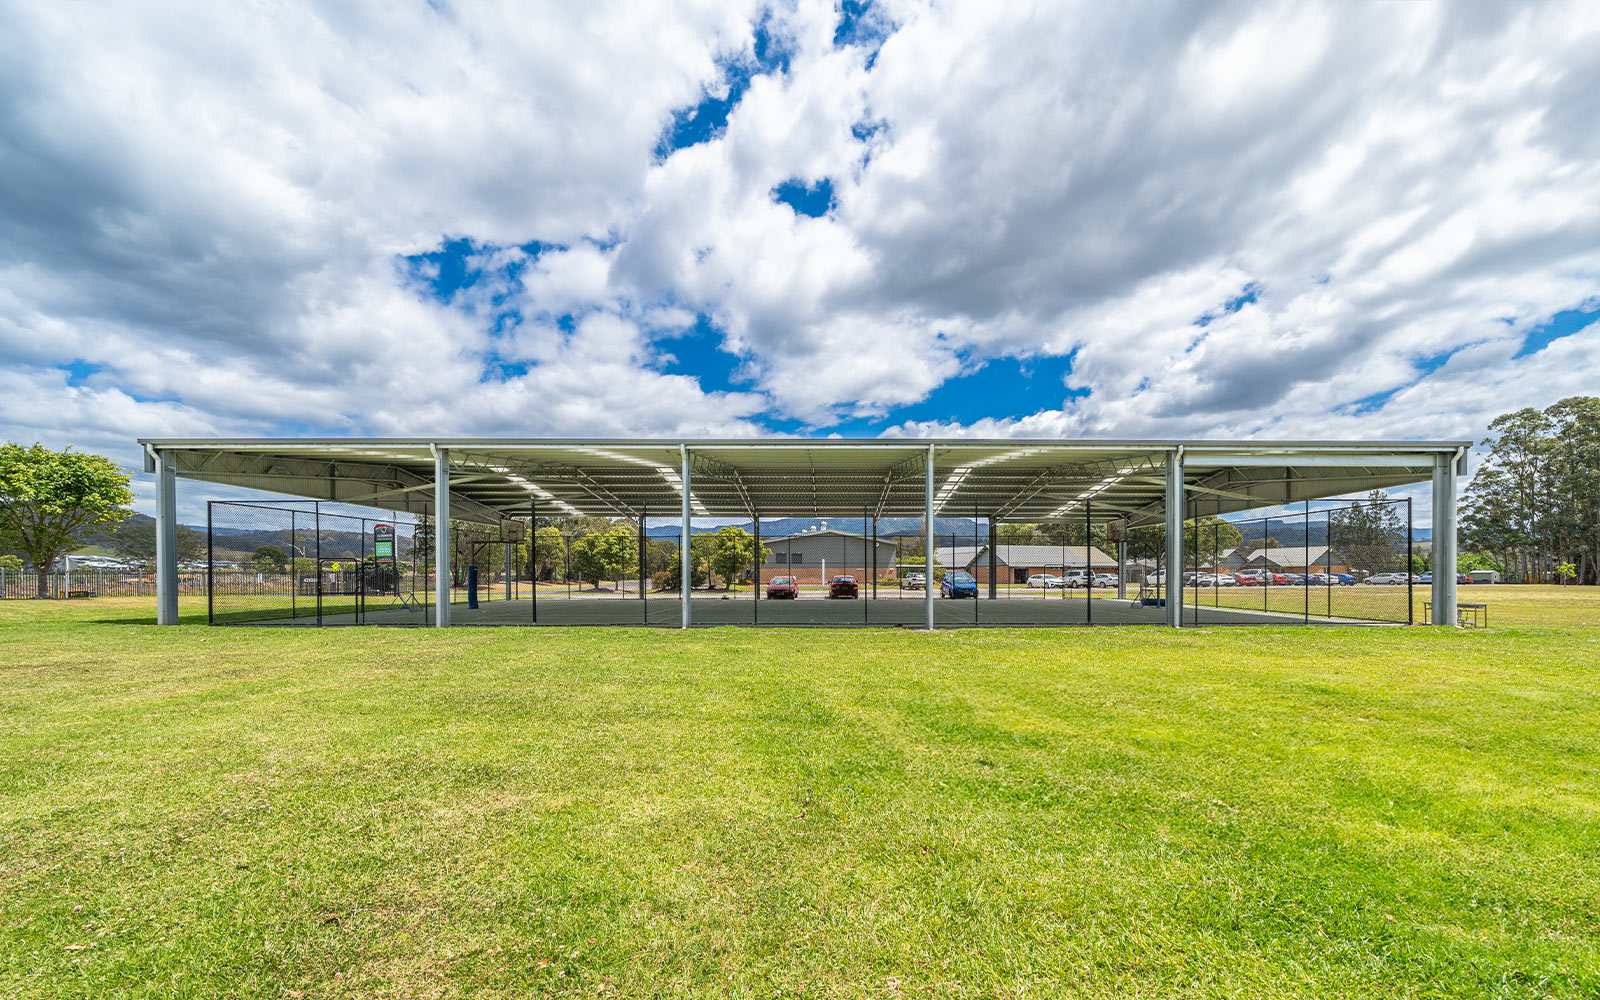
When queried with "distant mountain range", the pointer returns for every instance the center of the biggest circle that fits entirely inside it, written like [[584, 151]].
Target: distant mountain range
[[1291, 531], [779, 527]]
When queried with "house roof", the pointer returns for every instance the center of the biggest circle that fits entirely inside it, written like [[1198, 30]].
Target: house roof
[[1284, 555], [819, 533], [1043, 556]]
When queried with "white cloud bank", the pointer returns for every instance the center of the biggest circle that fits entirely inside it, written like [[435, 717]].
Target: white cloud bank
[[206, 207]]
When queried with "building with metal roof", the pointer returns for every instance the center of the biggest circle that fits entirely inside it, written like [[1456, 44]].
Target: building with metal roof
[[490, 480]]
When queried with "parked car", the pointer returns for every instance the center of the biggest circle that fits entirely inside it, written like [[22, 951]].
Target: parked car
[[1425, 578], [913, 581], [1249, 577], [1075, 578], [1105, 580], [1045, 580], [842, 586], [1388, 579], [1278, 579], [782, 588], [1316, 579], [958, 584], [1463, 578], [1342, 579]]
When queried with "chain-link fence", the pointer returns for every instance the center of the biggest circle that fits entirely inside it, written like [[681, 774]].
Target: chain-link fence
[[315, 563], [1350, 562], [309, 562]]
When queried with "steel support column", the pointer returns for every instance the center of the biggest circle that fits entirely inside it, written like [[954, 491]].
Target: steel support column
[[1122, 571], [927, 543], [994, 536], [1444, 541], [1172, 588], [166, 540], [441, 538], [684, 563]]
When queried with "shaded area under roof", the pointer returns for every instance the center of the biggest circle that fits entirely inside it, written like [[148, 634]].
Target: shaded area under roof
[[1008, 480]]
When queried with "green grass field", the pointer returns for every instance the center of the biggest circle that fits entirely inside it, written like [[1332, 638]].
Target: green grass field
[[1307, 812]]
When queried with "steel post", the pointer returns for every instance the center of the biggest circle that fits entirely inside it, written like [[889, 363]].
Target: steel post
[[683, 555], [1172, 587], [166, 540], [1444, 541], [927, 543], [441, 538]]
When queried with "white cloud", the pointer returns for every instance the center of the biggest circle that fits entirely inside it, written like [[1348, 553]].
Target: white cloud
[[206, 205]]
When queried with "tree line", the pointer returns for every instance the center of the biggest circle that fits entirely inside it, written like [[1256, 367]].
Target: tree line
[[1535, 503]]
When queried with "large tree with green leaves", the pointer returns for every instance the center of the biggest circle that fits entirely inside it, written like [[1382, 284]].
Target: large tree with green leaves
[[733, 552], [605, 555], [546, 551], [48, 497], [1535, 503], [1370, 537]]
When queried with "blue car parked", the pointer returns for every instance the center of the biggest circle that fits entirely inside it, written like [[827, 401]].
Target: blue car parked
[[958, 585]]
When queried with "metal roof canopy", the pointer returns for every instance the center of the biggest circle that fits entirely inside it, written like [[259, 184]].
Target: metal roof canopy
[[1007, 479]]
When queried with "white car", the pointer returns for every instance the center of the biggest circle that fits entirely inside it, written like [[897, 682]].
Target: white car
[[1105, 580], [911, 581], [1075, 578], [1044, 580], [1389, 579]]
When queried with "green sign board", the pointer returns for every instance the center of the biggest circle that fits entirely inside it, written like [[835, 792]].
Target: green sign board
[[383, 543]]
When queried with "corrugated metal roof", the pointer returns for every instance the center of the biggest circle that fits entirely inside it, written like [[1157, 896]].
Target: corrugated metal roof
[[1020, 480]]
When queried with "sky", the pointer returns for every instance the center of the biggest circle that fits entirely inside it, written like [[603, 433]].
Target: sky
[[1258, 220]]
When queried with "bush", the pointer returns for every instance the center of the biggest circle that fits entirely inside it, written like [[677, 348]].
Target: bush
[[664, 580]]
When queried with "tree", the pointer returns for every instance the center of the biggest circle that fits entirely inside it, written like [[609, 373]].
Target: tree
[[1205, 536], [136, 541], [46, 497], [1535, 503], [1370, 537], [733, 552], [699, 567], [1466, 562], [546, 550], [269, 559], [605, 555], [11, 564]]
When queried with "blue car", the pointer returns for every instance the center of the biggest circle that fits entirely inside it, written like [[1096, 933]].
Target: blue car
[[958, 585]]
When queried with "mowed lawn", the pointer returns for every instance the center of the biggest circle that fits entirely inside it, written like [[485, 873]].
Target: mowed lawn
[[1352, 812]]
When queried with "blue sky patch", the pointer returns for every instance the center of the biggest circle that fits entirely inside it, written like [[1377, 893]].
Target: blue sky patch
[[708, 119], [1562, 324], [1247, 295], [1001, 388], [861, 23], [453, 267], [815, 201], [79, 370], [698, 352]]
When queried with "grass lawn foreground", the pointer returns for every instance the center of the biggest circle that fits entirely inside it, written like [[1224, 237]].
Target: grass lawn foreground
[[1285, 811]]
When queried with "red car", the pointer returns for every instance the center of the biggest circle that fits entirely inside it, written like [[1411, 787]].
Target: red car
[[782, 588], [842, 586]]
